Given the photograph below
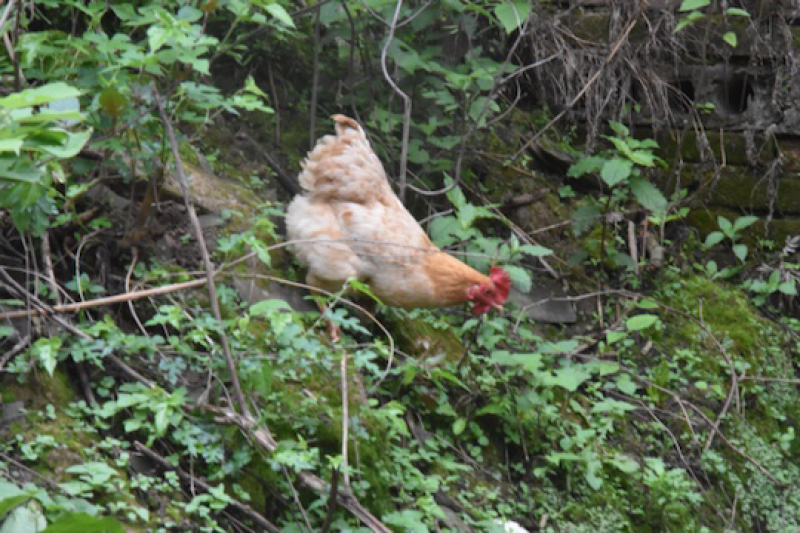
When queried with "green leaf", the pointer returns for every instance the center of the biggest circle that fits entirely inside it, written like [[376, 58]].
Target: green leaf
[[743, 222], [615, 336], [82, 523], [280, 13], [626, 385], [616, 170], [740, 251], [725, 225], [585, 165], [11, 145], [691, 5], [39, 95], [592, 468], [520, 278], [648, 195], [458, 426], [624, 463], [713, 238], [269, 307], [788, 288], [535, 250], [737, 12], [730, 38], [8, 503], [512, 14], [73, 145], [571, 377], [640, 322], [647, 303]]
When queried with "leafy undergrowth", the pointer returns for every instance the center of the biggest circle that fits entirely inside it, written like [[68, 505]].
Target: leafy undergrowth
[[671, 405]]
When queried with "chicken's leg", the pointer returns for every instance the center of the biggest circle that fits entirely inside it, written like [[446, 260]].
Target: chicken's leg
[[333, 329]]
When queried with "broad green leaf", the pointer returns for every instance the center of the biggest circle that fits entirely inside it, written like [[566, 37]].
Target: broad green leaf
[[788, 288], [570, 377], [535, 250], [730, 38], [83, 523], [648, 195], [40, 95], [72, 147], [744, 222], [616, 170], [11, 145], [520, 278], [615, 336], [280, 13], [9, 502], [458, 426], [740, 251], [626, 385], [269, 307], [640, 322], [724, 224], [610, 405], [624, 463], [691, 5], [647, 303], [585, 165], [713, 238], [512, 14], [643, 158], [592, 469]]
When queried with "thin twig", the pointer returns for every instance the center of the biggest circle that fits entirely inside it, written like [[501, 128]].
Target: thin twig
[[198, 230], [401, 178], [345, 418]]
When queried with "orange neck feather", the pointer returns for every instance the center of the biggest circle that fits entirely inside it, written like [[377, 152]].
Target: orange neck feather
[[451, 278]]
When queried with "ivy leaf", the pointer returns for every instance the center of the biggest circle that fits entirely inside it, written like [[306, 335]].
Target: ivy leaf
[[640, 322], [648, 195], [730, 38], [269, 307], [512, 14], [616, 170], [458, 426]]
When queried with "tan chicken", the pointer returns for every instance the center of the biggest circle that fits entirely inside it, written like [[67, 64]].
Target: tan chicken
[[349, 224]]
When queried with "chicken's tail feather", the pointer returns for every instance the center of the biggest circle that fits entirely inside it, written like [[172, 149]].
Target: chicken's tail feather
[[344, 123], [343, 167]]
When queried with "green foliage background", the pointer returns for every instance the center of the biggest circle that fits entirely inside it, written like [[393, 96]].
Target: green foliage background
[[671, 406]]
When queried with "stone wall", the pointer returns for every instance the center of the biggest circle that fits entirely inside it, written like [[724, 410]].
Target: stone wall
[[727, 118]]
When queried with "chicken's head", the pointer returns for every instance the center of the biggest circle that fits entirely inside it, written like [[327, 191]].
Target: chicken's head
[[493, 294]]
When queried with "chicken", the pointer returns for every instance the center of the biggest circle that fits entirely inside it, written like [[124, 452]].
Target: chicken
[[348, 223]]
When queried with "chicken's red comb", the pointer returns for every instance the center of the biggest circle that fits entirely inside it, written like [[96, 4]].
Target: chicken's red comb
[[501, 280]]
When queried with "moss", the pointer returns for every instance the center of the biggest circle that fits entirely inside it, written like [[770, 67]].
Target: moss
[[730, 147], [737, 187], [728, 315]]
